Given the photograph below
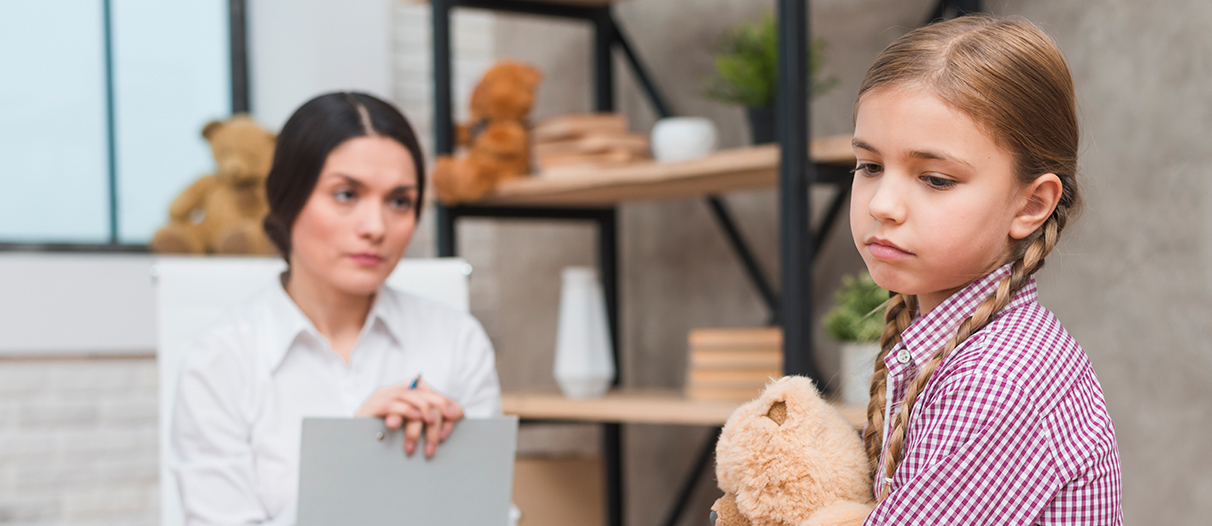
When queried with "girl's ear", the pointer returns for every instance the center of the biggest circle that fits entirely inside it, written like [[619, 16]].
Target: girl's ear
[[1039, 199]]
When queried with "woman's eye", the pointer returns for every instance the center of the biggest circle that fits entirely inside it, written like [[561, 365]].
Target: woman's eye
[[344, 195], [936, 182], [867, 169], [401, 203]]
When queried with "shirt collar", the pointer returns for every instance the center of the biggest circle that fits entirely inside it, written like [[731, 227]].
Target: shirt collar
[[289, 323], [930, 332]]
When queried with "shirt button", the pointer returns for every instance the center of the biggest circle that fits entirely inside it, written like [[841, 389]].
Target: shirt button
[[903, 356]]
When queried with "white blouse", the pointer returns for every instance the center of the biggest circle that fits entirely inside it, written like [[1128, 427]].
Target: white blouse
[[247, 386]]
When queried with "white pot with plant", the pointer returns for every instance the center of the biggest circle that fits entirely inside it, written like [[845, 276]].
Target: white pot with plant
[[857, 321], [746, 73]]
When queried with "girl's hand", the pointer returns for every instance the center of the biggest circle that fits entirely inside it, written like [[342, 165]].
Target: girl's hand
[[416, 409]]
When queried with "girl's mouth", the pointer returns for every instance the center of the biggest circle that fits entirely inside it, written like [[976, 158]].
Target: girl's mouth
[[884, 249]]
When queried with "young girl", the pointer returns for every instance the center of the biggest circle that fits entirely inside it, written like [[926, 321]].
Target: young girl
[[983, 409]]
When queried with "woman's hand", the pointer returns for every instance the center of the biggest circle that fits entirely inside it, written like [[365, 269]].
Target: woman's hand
[[417, 409]]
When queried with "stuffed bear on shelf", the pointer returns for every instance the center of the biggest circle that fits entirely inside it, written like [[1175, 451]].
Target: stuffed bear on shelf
[[496, 143], [790, 459], [222, 213]]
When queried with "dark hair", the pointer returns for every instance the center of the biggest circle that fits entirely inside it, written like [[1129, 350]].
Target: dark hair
[[316, 128]]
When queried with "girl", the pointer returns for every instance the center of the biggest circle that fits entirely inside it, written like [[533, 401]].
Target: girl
[[983, 409], [344, 194]]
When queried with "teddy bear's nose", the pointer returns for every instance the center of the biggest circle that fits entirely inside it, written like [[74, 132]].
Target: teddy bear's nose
[[714, 516], [778, 412]]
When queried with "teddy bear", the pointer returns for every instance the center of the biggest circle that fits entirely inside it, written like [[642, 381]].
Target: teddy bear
[[221, 213], [496, 143], [790, 459]]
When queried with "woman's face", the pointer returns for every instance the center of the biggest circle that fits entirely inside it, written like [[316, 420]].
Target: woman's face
[[359, 218]]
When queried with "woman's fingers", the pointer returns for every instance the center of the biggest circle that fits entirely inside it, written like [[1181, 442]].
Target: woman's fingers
[[418, 410], [393, 421], [412, 433], [433, 432]]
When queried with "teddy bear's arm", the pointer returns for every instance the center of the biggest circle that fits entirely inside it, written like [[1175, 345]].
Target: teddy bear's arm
[[190, 199]]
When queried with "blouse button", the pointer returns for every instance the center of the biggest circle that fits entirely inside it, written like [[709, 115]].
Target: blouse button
[[903, 356]]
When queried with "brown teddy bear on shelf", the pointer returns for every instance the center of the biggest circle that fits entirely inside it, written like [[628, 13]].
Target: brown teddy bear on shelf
[[221, 213], [789, 459], [496, 142]]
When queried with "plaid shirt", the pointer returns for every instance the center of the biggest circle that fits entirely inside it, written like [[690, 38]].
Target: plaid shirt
[[1011, 429]]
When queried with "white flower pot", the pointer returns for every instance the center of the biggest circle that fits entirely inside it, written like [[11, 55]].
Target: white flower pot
[[584, 363], [682, 139], [858, 364]]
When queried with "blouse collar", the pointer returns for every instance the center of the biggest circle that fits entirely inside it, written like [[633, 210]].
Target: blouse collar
[[289, 323], [927, 334]]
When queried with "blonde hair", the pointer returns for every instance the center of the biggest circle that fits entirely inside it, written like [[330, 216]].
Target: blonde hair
[[1013, 81]]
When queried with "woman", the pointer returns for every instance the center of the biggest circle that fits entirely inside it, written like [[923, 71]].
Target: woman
[[344, 194]]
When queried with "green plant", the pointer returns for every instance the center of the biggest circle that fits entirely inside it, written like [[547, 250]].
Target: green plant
[[746, 65], [855, 316]]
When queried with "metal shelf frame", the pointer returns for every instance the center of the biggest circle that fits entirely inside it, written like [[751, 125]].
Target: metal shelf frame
[[792, 309]]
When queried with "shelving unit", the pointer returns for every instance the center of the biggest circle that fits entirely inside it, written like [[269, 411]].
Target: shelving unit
[[594, 195]]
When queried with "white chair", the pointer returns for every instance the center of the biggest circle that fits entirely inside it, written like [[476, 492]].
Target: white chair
[[192, 293]]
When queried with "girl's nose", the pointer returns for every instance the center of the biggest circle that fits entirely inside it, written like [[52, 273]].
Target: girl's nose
[[887, 201]]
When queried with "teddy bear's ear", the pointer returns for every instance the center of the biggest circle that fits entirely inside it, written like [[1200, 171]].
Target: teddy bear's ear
[[778, 412], [211, 127]]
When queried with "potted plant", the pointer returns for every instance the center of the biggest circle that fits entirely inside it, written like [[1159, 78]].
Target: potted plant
[[746, 73], [856, 320]]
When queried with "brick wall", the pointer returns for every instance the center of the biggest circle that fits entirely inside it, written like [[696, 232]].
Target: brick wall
[[78, 442]]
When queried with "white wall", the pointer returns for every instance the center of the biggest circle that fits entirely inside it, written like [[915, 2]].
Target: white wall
[[302, 48], [76, 304]]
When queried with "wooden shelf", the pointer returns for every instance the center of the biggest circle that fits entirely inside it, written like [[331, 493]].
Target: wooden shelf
[[723, 171], [636, 407]]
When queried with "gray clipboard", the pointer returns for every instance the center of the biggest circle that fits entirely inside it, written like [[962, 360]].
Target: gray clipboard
[[348, 475]]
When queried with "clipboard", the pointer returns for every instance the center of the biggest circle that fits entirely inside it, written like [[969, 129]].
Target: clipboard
[[354, 471]]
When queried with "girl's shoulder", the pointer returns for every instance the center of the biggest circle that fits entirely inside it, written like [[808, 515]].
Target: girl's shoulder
[[1028, 347]]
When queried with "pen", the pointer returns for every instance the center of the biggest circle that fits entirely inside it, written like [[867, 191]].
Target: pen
[[415, 381]]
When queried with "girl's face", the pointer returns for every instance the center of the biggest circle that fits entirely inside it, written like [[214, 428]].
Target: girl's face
[[359, 218], [935, 200]]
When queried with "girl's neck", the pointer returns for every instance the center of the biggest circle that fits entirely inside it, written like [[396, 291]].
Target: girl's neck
[[927, 302], [337, 315]]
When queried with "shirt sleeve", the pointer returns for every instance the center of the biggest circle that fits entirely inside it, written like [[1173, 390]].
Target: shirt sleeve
[[479, 389], [212, 453], [976, 453]]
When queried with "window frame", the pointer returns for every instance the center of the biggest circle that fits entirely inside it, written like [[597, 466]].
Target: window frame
[[238, 46]]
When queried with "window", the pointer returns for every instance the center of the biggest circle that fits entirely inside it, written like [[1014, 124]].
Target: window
[[102, 104]]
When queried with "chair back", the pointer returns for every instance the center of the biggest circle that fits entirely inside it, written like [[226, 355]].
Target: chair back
[[193, 293]]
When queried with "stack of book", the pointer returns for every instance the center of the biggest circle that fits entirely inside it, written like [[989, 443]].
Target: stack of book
[[590, 139], [733, 364]]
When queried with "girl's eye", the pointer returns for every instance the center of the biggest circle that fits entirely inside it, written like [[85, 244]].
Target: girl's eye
[[867, 169], [344, 195], [936, 182]]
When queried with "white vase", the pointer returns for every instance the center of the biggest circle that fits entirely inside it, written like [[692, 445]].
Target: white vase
[[858, 364], [584, 363]]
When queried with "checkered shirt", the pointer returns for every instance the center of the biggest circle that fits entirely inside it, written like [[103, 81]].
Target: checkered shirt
[[1011, 429]]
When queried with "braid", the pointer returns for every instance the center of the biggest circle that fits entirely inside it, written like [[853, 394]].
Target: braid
[[1032, 259], [897, 318]]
